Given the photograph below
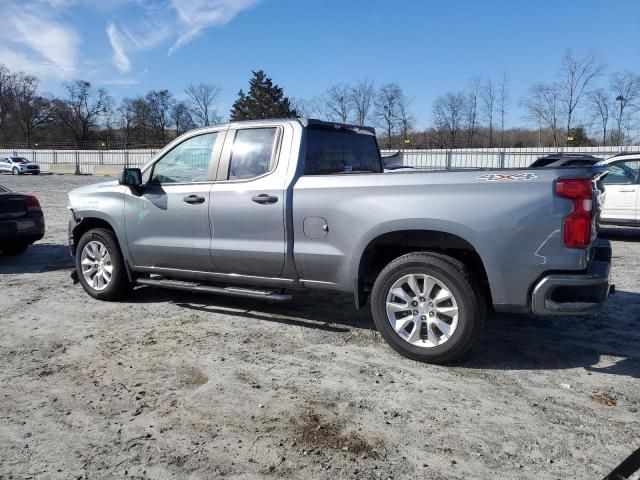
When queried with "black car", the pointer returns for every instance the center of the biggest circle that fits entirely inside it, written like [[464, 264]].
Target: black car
[[565, 160], [21, 221]]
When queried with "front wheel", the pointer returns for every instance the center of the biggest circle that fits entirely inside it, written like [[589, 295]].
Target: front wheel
[[15, 171], [425, 307], [100, 265]]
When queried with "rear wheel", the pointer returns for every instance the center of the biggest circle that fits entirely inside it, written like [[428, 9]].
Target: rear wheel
[[426, 308], [100, 265], [14, 248]]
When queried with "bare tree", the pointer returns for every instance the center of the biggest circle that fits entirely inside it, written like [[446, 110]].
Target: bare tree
[[601, 106], [181, 117], [203, 97], [127, 117], [625, 89], [338, 102], [576, 75], [362, 96], [405, 118], [488, 107], [503, 104], [475, 86], [5, 76], [301, 106], [386, 109], [82, 109], [543, 106], [159, 104], [29, 110], [449, 112]]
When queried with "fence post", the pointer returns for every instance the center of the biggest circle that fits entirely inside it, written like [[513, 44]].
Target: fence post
[[449, 159], [503, 163], [55, 156], [126, 158], [101, 157], [77, 162]]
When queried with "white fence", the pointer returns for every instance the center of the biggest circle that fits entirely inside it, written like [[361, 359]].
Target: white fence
[[423, 159], [493, 157], [85, 159]]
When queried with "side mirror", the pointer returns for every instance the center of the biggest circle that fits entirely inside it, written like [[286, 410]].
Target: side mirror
[[131, 177]]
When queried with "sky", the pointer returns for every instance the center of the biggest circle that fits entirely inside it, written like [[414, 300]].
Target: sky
[[427, 47]]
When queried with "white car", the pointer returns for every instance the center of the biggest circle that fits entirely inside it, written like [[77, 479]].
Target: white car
[[622, 190], [18, 166]]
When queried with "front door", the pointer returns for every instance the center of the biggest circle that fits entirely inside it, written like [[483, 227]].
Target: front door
[[247, 204], [621, 192], [167, 220]]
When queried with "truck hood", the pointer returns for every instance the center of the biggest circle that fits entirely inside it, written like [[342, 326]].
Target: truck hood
[[78, 196]]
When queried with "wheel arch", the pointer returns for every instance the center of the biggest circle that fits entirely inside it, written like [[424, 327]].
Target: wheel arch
[[389, 245], [87, 223]]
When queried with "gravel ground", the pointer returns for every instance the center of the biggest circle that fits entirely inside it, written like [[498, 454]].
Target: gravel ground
[[169, 384]]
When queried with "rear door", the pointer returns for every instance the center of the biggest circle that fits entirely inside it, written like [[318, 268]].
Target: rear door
[[248, 201], [622, 192], [167, 220]]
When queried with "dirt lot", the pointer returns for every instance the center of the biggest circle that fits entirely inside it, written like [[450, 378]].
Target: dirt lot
[[189, 386]]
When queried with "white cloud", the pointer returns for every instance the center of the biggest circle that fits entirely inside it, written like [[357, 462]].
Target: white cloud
[[197, 15], [120, 58], [36, 42], [126, 40], [37, 36]]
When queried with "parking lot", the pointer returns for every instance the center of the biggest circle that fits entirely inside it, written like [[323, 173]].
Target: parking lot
[[169, 384]]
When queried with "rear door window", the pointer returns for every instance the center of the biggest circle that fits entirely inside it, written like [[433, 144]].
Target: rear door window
[[252, 153], [336, 152]]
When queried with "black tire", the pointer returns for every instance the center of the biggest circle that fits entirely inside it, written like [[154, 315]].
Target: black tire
[[459, 282], [14, 248], [15, 171], [36, 173], [119, 285]]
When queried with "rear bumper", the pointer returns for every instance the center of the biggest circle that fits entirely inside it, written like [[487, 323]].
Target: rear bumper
[[29, 229], [575, 293]]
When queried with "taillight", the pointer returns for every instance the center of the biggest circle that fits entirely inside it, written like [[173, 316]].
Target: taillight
[[33, 205], [577, 225]]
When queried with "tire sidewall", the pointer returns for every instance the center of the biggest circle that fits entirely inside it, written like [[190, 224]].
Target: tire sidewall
[[15, 171], [113, 290], [465, 300]]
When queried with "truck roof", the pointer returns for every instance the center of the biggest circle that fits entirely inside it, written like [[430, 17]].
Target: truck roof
[[307, 123]]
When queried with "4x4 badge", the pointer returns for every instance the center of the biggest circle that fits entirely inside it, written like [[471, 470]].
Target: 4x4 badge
[[507, 177]]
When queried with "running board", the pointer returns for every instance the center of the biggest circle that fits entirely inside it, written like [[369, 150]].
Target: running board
[[273, 295]]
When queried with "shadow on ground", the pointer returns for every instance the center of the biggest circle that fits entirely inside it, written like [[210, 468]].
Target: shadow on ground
[[40, 257], [329, 311], [606, 342]]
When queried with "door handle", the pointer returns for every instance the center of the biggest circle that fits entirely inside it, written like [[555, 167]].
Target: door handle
[[627, 190], [193, 199], [264, 199]]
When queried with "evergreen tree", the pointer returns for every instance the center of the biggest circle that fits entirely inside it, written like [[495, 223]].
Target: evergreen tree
[[264, 100]]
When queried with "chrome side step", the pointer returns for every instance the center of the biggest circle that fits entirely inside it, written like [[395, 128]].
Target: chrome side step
[[273, 295]]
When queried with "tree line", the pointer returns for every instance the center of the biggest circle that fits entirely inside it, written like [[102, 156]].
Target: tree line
[[582, 106]]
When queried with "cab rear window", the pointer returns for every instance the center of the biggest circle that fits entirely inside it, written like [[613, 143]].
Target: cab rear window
[[337, 152]]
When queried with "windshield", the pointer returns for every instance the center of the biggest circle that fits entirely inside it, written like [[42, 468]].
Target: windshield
[[19, 160]]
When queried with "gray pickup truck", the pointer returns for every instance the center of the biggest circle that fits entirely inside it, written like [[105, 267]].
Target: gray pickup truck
[[262, 209]]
